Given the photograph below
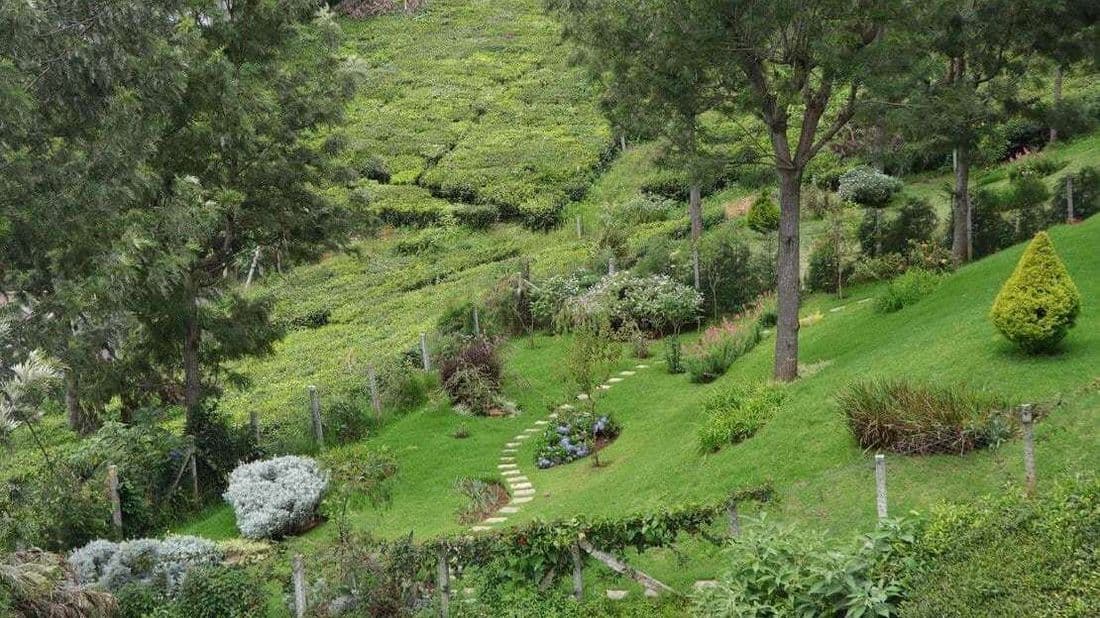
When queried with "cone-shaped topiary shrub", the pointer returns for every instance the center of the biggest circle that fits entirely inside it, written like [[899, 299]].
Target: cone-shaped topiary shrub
[[1039, 302]]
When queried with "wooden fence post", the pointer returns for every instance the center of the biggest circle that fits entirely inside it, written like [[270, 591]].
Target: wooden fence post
[[580, 230], [424, 357], [375, 396], [477, 324], [315, 412], [194, 476], [611, 265], [252, 267], [112, 493], [254, 425], [443, 580], [1029, 446], [734, 518], [880, 484], [1069, 199], [299, 577], [578, 571]]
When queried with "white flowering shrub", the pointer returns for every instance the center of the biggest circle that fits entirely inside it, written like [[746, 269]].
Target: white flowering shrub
[[277, 496], [148, 562]]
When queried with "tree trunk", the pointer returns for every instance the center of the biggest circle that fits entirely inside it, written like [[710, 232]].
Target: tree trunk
[[788, 265], [960, 234], [1057, 98], [78, 415], [695, 210], [192, 388]]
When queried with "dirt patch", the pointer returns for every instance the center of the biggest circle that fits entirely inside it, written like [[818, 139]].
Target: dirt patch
[[738, 208]]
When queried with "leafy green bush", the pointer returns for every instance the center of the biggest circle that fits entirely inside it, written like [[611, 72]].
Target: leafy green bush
[[763, 215], [788, 572], [736, 414], [655, 304], [914, 284], [674, 356], [1011, 556], [991, 231], [916, 222], [221, 592], [348, 418], [887, 266], [867, 187], [718, 347], [732, 274], [1039, 303], [549, 296], [910, 418], [139, 601], [823, 275]]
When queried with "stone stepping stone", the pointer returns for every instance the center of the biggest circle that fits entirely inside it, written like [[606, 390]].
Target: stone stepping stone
[[521, 499], [835, 309], [651, 593], [617, 595], [511, 445], [494, 520], [554, 414], [532, 430], [614, 380], [704, 583], [641, 366], [509, 472], [522, 486], [518, 479], [508, 459], [583, 396], [510, 450], [542, 422], [510, 466], [604, 387], [627, 373], [566, 406], [509, 509], [480, 528], [522, 438], [865, 300], [524, 493]]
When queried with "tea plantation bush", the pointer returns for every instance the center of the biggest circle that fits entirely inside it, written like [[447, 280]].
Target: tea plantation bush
[[275, 497]]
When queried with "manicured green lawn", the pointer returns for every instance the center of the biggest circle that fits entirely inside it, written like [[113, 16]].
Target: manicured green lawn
[[822, 478]]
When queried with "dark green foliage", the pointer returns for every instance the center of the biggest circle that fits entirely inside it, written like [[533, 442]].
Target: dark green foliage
[[763, 214], [140, 601], [646, 208], [348, 418], [991, 231], [221, 592], [916, 222], [1011, 556], [736, 413], [732, 274], [907, 289], [1086, 194], [315, 318], [825, 274], [917, 419]]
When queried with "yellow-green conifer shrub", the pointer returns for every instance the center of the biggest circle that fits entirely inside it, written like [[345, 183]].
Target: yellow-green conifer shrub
[[1039, 302]]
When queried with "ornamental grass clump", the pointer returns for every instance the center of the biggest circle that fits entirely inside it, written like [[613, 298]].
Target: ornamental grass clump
[[736, 414], [276, 497], [719, 346], [1039, 303], [916, 419]]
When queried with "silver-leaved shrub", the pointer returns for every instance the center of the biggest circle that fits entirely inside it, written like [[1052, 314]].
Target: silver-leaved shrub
[[148, 562], [275, 497]]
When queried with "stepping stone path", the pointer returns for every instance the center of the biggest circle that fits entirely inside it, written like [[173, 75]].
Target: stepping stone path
[[521, 487]]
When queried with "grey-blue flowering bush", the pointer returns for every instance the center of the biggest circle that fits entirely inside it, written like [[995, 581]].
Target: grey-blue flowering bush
[[275, 497], [868, 187], [162, 564]]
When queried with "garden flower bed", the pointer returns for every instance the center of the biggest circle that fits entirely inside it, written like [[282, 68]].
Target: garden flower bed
[[576, 434]]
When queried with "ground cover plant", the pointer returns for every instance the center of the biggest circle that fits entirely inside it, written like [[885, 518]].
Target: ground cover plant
[[906, 289], [718, 347], [917, 419], [736, 413]]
